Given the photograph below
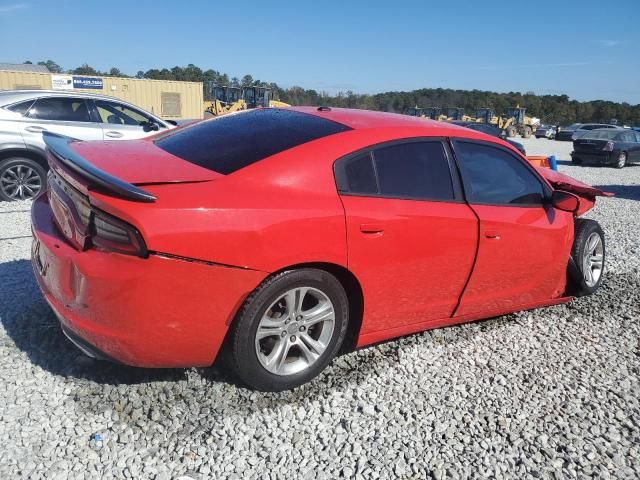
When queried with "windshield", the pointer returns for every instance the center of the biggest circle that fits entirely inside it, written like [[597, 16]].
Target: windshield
[[601, 134], [573, 126]]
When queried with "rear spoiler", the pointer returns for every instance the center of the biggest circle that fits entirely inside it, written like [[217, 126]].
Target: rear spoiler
[[60, 148]]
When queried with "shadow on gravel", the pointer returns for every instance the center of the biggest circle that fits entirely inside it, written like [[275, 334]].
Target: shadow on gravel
[[100, 387], [33, 327], [628, 192]]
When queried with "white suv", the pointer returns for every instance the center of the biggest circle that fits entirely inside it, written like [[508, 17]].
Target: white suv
[[25, 114]]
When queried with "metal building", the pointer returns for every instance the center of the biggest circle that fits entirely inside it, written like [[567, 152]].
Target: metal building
[[165, 98]]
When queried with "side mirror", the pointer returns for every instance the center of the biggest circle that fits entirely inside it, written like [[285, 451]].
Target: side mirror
[[151, 127], [172, 122], [565, 201]]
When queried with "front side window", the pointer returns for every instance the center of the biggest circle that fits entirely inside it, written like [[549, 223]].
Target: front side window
[[61, 109], [496, 177], [119, 114], [416, 170]]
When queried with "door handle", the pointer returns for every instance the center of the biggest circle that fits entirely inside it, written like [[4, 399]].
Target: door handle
[[113, 134], [492, 235], [371, 228], [35, 129]]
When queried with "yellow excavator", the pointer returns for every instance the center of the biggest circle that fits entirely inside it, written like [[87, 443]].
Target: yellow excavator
[[222, 99], [434, 113], [514, 122]]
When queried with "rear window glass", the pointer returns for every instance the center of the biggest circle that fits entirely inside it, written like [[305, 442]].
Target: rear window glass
[[601, 134], [232, 142]]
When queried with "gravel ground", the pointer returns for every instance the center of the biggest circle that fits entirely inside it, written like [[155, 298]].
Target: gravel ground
[[550, 393]]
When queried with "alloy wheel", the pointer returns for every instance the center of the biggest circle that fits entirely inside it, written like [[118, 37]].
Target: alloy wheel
[[622, 160], [20, 182], [295, 331], [593, 259]]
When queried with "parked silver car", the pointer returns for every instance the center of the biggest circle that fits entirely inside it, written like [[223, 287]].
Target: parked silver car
[[25, 114], [546, 131]]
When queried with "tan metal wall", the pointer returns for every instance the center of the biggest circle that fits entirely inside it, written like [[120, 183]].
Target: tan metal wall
[[144, 93]]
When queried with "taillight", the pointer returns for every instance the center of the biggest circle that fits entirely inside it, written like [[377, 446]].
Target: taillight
[[608, 147], [112, 234]]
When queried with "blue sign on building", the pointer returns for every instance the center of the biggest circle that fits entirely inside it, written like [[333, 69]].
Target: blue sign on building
[[87, 82]]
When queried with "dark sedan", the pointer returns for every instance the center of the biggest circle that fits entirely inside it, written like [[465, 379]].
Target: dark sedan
[[491, 130], [607, 147]]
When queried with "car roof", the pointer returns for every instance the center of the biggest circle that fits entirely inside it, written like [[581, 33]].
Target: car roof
[[368, 119], [8, 97]]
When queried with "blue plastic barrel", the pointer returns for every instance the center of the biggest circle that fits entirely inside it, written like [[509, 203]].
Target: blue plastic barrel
[[553, 163]]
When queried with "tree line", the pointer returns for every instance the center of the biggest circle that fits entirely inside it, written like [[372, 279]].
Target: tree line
[[555, 109]]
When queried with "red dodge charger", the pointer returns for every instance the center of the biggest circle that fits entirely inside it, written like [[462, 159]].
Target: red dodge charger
[[280, 236]]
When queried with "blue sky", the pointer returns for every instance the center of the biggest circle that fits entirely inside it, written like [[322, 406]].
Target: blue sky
[[585, 49]]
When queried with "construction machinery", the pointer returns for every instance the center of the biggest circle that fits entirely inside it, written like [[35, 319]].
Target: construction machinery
[[434, 113], [223, 99], [514, 122], [453, 114], [522, 124]]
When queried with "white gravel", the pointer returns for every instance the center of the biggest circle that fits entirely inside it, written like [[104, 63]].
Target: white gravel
[[552, 393]]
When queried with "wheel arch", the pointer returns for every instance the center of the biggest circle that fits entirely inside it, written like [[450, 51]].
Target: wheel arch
[[353, 290], [25, 153]]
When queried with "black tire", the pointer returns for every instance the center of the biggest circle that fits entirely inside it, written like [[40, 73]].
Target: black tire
[[622, 160], [576, 161], [9, 166], [242, 354], [577, 284], [526, 131], [511, 131]]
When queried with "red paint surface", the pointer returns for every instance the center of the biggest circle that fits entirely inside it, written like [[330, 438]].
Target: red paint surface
[[420, 264]]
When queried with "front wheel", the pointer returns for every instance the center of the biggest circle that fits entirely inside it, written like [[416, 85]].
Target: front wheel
[[289, 329], [587, 258]]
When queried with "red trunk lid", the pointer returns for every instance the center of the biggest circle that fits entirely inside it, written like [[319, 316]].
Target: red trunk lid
[[140, 162]]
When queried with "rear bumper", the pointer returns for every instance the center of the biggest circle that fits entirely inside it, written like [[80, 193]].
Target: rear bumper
[[603, 158], [153, 312]]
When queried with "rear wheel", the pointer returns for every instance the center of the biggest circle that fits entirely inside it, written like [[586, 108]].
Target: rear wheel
[[511, 131], [21, 179], [622, 160], [588, 256], [289, 329], [576, 160], [526, 131]]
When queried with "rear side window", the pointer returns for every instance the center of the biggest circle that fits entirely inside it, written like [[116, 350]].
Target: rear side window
[[627, 137], [496, 177], [61, 109], [412, 170], [360, 175], [22, 108], [232, 142]]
